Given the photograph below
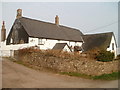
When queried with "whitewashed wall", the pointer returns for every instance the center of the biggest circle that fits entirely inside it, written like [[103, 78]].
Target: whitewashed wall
[[48, 44], [33, 41], [110, 47], [7, 50], [66, 49]]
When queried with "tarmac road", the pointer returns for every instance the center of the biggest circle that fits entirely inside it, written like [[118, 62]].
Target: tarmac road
[[18, 76]]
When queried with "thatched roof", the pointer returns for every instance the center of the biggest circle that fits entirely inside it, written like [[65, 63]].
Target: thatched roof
[[101, 41], [40, 29]]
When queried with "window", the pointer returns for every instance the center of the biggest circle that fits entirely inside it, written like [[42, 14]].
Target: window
[[69, 43], [112, 46], [75, 43], [41, 42], [58, 41], [22, 41], [11, 41]]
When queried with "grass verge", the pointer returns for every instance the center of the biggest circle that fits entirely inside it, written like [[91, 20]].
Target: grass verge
[[112, 76], [77, 74]]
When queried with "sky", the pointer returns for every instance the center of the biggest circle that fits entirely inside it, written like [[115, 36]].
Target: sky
[[88, 17]]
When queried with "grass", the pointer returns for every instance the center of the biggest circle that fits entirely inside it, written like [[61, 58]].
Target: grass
[[76, 74], [112, 76]]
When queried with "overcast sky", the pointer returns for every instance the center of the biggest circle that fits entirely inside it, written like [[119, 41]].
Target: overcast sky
[[88, 17]]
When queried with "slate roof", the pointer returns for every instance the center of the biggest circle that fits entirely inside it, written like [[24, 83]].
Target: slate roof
[[40, 29], [60, 46], [101, 41]]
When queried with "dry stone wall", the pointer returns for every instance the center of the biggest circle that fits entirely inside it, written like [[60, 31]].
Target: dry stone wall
[[84, 66]]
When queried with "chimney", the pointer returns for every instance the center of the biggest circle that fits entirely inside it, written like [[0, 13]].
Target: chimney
[[57, 20], [19, 13], [3, 32]]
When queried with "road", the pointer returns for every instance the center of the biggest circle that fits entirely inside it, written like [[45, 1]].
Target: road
[[18, 76]]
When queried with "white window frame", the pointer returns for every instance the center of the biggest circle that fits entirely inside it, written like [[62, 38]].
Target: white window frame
[[11, 40], [40, 41]]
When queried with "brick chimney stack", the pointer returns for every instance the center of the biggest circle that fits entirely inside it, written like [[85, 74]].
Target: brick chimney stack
[[3, 32], [19, 13], [57, 20]]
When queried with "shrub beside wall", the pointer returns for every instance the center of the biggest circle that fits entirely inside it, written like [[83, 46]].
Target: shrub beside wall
[[105, 56]]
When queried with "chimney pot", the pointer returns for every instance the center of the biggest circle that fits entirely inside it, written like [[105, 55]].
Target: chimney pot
[[3, 22], [3, 32], [57, 20], [19, 13]]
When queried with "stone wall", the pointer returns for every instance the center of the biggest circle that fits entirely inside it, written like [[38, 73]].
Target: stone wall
[[83, 65]]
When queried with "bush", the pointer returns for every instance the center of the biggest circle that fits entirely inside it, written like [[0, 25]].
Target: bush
[[29, 50], [92, 53], [58, 54], [105, 56], [49, 53], [118, 56]]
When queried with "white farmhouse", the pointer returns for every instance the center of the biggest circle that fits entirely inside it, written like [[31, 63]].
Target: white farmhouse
[[27, 32], [104, 41]]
